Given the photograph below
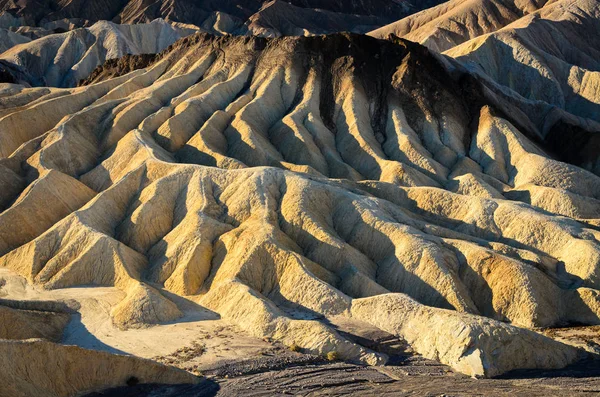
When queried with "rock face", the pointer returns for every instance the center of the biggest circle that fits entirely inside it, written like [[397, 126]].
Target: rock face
[[279, 182], [10, 39], [467, 343], [45, 369]]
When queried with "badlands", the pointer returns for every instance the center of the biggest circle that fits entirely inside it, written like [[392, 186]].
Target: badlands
[[307, 214], [269, 17], [57, 43]]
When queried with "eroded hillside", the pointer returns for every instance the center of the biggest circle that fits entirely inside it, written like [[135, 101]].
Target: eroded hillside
[[269, 17], [537, 53], [61, 60], [453, 22], [284, 182]]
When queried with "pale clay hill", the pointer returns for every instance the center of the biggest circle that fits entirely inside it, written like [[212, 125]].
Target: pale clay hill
[[280, 183], [64, 41], [90, 32], [453, 22], [540, 49], [547, 56], [41, 368], [61, 60], [521, 49], [32, 365]]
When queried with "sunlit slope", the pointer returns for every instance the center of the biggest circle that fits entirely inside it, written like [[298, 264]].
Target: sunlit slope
[[279, 182]]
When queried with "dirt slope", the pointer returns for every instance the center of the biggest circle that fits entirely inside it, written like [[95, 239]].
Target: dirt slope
[[539, 54], [283, 182]]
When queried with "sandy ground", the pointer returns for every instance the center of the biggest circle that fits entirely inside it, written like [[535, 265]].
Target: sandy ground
[[587, 338], [200, 339], [235, 364]]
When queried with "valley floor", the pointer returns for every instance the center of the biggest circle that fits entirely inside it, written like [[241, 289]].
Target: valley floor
[[414, 378], [239, 365]]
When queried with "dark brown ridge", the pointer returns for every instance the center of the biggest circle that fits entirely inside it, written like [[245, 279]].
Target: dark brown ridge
[[384, 67]]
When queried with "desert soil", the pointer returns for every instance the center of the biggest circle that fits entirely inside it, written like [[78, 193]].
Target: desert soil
[[236, 365], [413, 377]]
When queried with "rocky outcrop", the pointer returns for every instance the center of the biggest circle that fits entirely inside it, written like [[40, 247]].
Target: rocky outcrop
[[282, 182]]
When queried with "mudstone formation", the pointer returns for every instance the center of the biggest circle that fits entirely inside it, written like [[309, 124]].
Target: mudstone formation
[[282, 182]]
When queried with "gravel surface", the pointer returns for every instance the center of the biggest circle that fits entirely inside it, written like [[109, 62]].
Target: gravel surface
[[280, 372], [416, 377]]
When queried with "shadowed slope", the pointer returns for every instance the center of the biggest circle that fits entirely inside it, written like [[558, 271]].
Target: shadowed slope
[[215, 16], [536, 53]]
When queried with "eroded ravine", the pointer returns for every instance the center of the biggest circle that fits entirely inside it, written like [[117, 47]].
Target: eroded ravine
[[332, 175]]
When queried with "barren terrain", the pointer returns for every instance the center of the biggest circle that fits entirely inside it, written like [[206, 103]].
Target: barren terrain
[[311, 214]]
